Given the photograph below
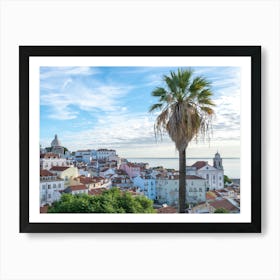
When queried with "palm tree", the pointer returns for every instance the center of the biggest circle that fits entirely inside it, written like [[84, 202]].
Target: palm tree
[[186, 110]]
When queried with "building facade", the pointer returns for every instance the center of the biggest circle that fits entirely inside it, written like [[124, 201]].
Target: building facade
[[131, 169], [167, 190], [214, 175], [147, 184], [50, 187], [65, 173], [48, 160]]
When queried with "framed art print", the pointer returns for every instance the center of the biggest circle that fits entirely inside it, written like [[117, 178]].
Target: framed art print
[[140, 138]]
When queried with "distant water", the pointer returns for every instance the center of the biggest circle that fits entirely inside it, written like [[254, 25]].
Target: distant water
[[231, 165]]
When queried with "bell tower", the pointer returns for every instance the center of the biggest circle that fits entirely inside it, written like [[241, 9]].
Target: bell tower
[[218, 162]]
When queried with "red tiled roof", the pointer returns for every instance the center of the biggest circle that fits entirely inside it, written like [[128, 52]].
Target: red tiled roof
[[44, 209], [217, 193], [45, 173], [222, 191], [210, 195], [199, 164], [193, 177], [223, 203], [49, 155], [86, 180], [167, 209], [59, 168], [96, 191], [78, 187]]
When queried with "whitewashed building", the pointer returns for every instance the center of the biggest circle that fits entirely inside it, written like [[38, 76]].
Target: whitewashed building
[[167, 189], [86, 156], [214, 175], [77, 189], [106, 154], [50, 187], [48, 160], [196, 189]]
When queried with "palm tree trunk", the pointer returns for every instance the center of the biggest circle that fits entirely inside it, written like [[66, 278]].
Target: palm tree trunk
[[182, 181]]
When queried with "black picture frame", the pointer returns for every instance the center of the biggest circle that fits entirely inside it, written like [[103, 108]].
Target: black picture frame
[[254, 52]]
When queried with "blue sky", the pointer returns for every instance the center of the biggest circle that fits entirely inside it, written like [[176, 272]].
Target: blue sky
[[107, 107]]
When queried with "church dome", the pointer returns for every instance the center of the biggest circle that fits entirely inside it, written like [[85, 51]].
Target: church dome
[[55, 142]]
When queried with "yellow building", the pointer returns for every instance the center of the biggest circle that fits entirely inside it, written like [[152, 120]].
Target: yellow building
[[66, 173]]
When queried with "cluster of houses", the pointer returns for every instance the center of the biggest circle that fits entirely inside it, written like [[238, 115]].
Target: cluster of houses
[[93, 171]]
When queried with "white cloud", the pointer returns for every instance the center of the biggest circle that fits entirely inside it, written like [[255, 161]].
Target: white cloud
[[69, 93], [55, 72], [116, 125]]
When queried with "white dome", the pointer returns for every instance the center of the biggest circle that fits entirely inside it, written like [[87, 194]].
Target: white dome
[[55, 142]]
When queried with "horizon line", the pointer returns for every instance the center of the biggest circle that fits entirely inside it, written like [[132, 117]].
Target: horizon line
[[178, 157]]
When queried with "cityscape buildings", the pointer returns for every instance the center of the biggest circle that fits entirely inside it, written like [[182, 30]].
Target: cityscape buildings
[[93, 171]]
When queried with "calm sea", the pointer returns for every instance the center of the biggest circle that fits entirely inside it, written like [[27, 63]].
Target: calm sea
[[231, 165]]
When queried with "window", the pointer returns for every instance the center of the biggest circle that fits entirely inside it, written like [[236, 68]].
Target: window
[[200, 189], [54, 186], [59, 185], [43, 187], [49, 195], [49, 187], [192, 183]]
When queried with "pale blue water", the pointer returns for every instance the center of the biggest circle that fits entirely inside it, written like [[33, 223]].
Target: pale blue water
[[231, 165]]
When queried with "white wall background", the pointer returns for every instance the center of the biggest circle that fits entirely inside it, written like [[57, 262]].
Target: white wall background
[[139, 256]]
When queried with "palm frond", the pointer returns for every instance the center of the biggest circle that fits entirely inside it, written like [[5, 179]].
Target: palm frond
[[158, 92], [186, 107], [155, 107]]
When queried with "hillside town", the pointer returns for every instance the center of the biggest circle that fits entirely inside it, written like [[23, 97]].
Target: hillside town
[[92, 172]]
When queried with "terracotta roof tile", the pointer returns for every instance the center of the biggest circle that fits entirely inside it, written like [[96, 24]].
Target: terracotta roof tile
[[44, 209], [167, 209], [210, 195], [59, 168], [49, 155], [223, 203], [193, 177], [199, 164], [96, 191], [45, 173], [77, 187]]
